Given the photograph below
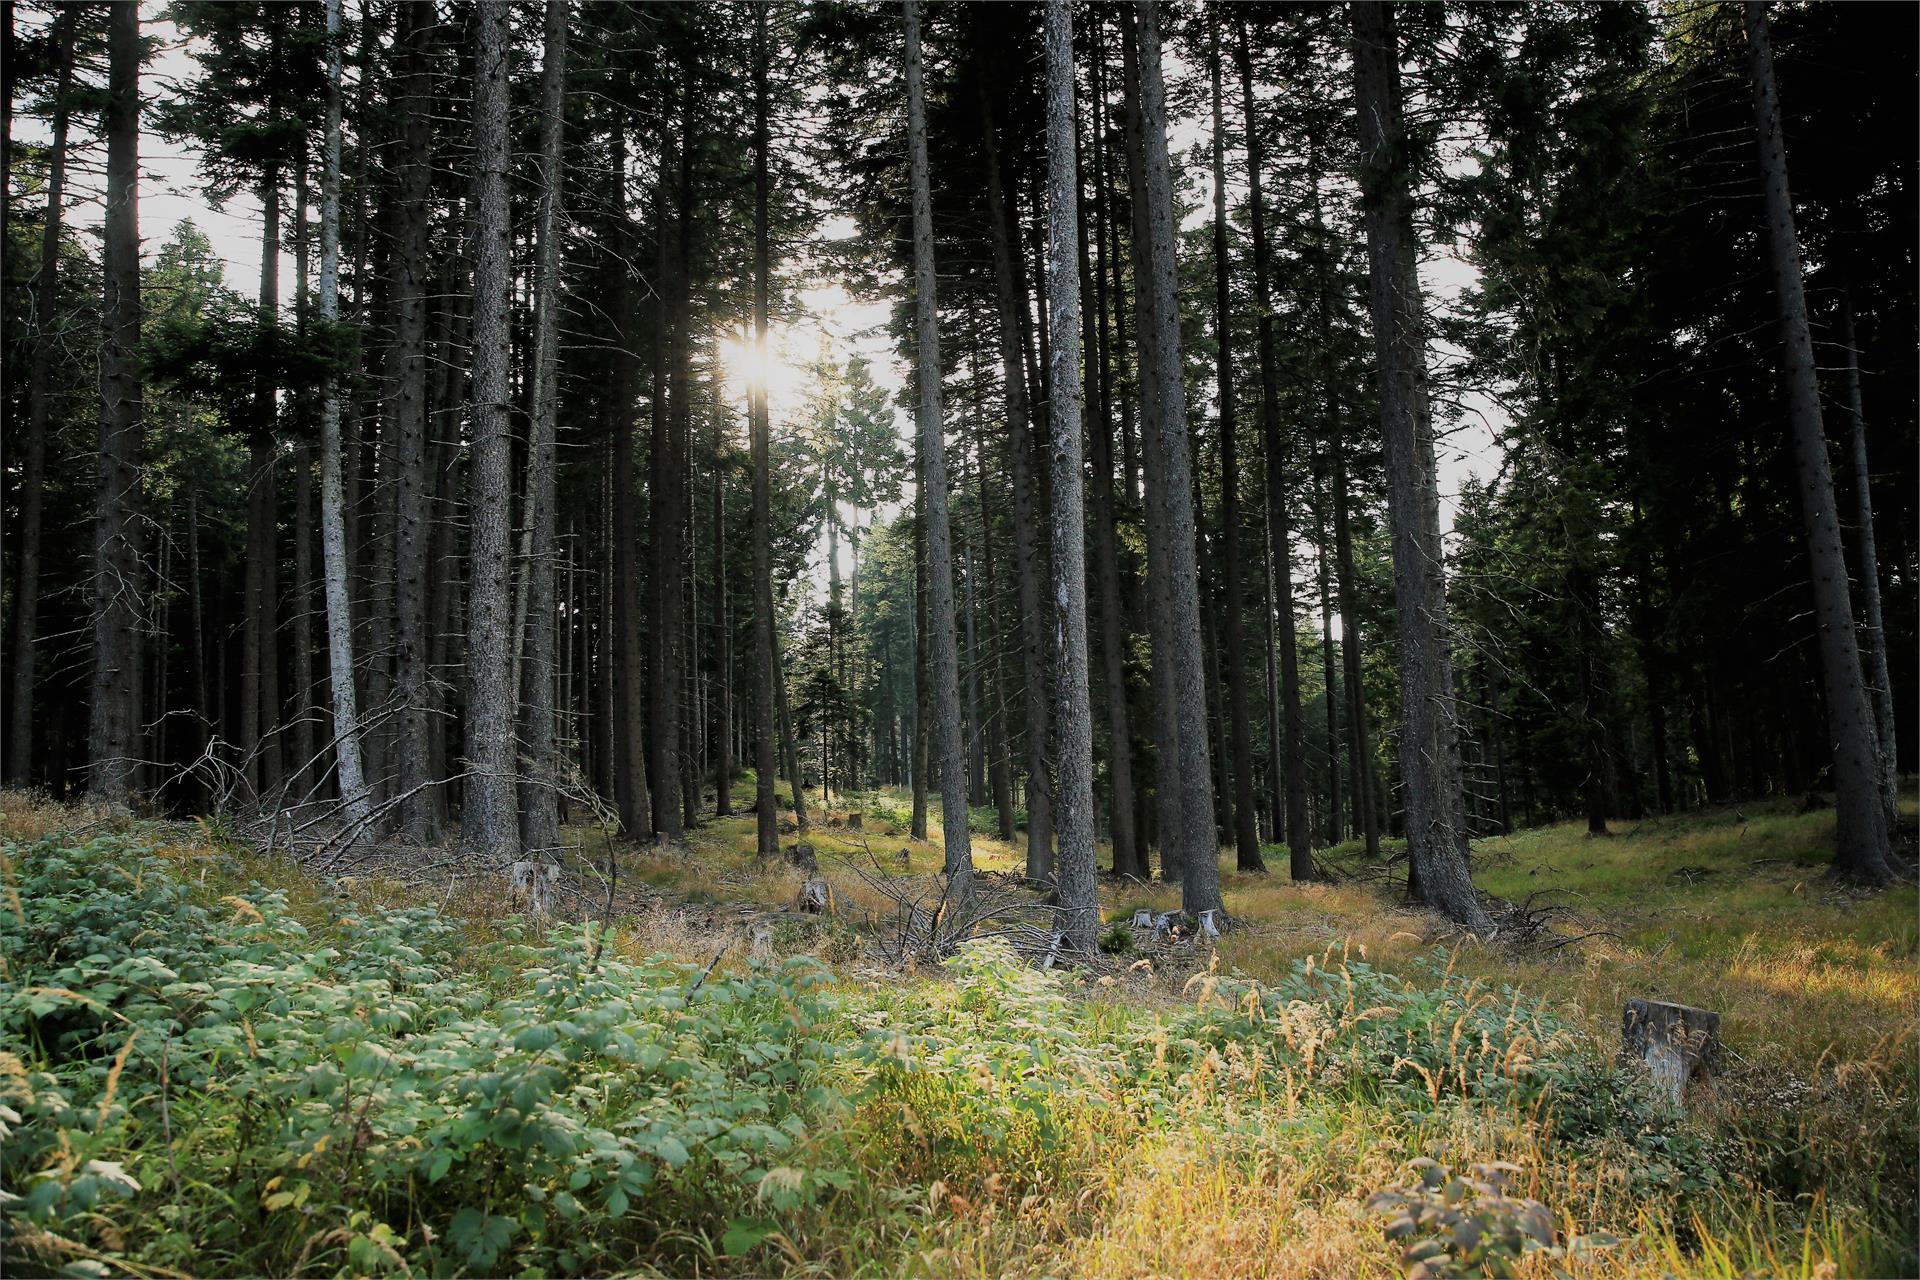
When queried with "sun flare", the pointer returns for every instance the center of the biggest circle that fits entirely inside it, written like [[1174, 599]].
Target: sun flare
[[749, 366]]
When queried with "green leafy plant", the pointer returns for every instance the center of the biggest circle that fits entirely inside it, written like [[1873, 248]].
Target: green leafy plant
[[1452, 1225], [351, 1096]]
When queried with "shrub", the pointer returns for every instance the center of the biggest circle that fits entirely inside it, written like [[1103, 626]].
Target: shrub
[[1462, 1226], [208, 1085], [887, 814], [984, 820]]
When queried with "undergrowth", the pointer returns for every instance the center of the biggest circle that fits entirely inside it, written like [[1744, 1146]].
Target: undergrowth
[[215, 1065]]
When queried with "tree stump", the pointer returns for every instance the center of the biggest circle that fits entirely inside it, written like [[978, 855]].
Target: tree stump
[[803, 857], [1676, 1042], [816, 898]]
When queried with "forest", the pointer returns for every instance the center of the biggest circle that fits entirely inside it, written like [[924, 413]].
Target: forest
[[958, 638]]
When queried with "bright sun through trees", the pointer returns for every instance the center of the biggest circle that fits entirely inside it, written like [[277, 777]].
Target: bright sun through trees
[[749, 366], [878, 638]]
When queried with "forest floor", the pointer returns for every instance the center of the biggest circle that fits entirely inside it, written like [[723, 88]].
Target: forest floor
[[395, 1073]]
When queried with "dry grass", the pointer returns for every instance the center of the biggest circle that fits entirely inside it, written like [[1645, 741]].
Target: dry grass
[[1727, 909], [1812, 1117]]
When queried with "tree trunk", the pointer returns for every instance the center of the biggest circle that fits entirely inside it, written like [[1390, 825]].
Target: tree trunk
[[415, 38], [761, 462], [977, 728], [949, 747], [489, 828], [1169, 819], [722, 634], [1429, 734], [1366, 810], [789, 748], [1078, 913], [999, 768], [1861, 834], [113, 709], [1329, 672], [922, 674], [1168, 453], [26, 591], [1029, 563], [834, 615], [259, 685], [1113, 657], [682, 684], [1246, 834], [602, 639], [355, 804], [1870, 574], [628, 674], [1276, 780], [1583, 595], [443, 639], [303, 739], [539, 798], [1279, 524], [663, 580]]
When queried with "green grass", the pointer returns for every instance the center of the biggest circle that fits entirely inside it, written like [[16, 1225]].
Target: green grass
[[410, 1068]]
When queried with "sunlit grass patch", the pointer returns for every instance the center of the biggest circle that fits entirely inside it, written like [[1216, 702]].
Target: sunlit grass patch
[[1226, 1118]]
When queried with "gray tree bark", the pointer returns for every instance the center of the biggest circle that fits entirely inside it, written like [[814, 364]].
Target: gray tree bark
[[26, 591], [1861, 835], [1429, 733], [259, 652], [113, 706], [1299, 826], [1078, 914], [415, 38], [1029, 561], [539, 800], [1329, 671], [949, 747], [665, 509], [630, 705], [1870, 575], [304, 738], [1170, 453], [761, 462], [722, 631], [922, 675], [356, 805], [1365, 810], [999, 767], [1246, 835], [490, 830], [1167, 801], [1093, 283], [789, 748]]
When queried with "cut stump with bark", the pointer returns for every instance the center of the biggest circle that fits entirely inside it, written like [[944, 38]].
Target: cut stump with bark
[[1676, 1042]]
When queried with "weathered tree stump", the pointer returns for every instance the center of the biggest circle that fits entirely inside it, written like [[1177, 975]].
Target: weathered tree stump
[[1676, 1041], [816, 897], [803, 857], [530, 886], [853, 822]]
